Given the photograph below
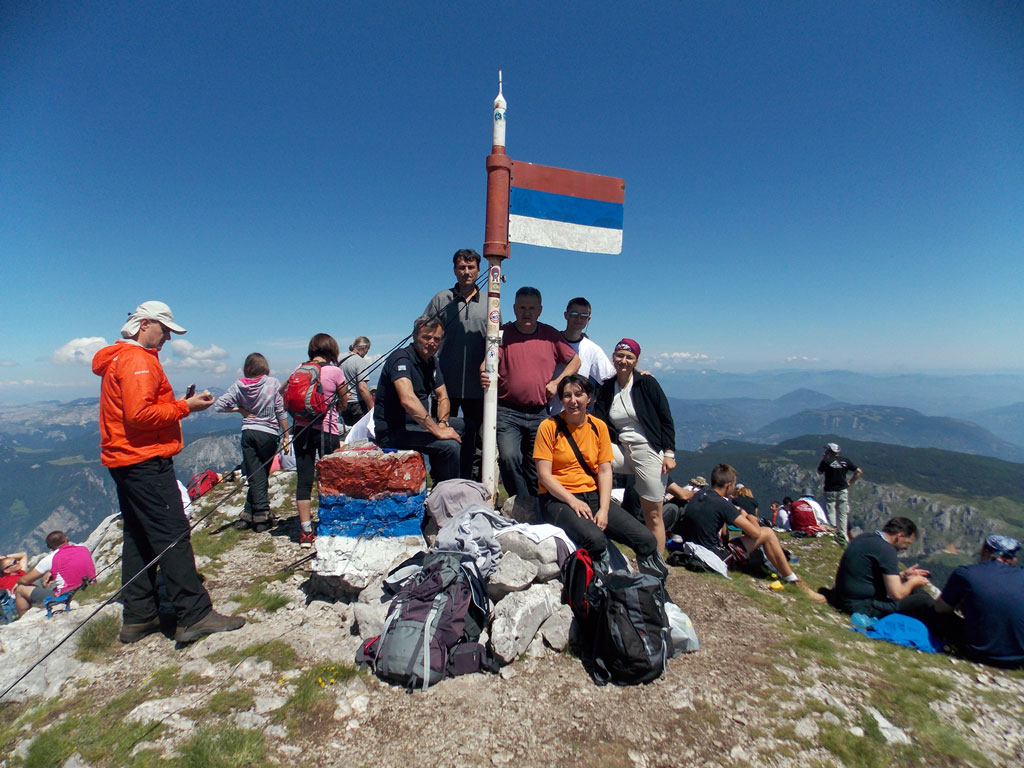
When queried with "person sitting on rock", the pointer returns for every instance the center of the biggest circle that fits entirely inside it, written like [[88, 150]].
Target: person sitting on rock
[[64, 570], [575, 490], [990, 595], [12, 568], [709, 512], [800, 517], [869, 579]]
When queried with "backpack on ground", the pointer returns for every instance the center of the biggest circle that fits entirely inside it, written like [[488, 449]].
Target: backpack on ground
[[304, 392], [8, 608], [201, 483], [433, 625], [623, 628]]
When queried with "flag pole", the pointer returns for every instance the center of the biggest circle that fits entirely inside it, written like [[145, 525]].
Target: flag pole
[[496, 250]]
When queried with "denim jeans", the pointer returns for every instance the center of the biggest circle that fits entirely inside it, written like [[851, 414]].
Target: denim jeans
[[516, 432], [837, 507]]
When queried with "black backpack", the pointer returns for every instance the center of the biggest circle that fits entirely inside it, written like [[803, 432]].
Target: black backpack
[[623, 628]]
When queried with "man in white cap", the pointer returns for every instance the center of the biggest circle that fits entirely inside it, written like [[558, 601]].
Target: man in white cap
[[835, 468], [139, 433]]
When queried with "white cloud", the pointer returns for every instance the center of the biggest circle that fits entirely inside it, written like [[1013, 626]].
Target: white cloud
[[801, 359], [188, 355], [670, 361], [78, 351], [5, 363]]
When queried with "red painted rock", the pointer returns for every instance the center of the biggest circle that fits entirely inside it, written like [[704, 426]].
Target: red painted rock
[[369, 474]]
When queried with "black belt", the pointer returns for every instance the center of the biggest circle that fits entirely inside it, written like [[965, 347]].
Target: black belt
[[531, 409]]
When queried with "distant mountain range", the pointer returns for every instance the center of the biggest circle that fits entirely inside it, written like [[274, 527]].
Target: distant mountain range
[[805, 411]]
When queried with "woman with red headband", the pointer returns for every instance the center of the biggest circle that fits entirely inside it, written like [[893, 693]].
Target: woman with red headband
[[643, 433]]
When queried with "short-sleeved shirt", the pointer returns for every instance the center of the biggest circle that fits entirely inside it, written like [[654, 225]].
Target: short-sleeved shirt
[[552, 445], [465, 340], [352, 366], [991, 595], [527, 363], [67, 565], [8, 581], [594, 364], [706, 513], [424, 375], [331, 379], [863, 566], [835, 471]]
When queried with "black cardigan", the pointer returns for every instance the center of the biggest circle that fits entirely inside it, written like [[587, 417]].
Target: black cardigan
[[651, 408]]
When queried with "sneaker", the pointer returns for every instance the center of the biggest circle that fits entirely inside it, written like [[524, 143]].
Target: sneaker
[[132, 633], [210, 623], [306, 539]]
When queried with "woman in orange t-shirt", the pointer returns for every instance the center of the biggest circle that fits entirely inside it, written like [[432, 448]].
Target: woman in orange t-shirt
[[577, 497]]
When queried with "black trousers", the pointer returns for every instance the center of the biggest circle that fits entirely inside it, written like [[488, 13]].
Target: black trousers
[[153, 518], [622, 526], [258, 449], [308, 443]]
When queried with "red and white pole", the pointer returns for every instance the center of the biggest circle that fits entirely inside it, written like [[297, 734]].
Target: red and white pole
[[496, 250]]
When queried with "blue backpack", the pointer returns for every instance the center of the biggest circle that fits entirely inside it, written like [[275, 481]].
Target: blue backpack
[[8, 609]]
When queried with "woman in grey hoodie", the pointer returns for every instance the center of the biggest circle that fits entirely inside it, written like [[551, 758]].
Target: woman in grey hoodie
[[264, 421]]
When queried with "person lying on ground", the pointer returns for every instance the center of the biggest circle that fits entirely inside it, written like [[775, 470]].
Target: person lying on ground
[[710, 510], [869, 579], [576, 495], [990, 594]]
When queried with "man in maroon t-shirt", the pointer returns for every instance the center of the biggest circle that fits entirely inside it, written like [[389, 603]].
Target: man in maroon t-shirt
[[529, 354]]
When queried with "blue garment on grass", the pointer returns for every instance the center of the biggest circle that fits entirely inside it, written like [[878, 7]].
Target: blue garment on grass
[[903, 630]]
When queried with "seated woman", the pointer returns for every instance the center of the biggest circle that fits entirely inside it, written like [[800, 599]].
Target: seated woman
[[576, 496], [642, 429]]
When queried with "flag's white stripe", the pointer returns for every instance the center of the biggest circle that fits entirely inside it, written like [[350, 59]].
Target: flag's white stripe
[[559, 234]]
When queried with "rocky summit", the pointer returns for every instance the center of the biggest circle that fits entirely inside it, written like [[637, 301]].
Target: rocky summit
[[778, 681]]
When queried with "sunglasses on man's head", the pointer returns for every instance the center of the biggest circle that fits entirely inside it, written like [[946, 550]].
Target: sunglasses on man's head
[[584, 315]]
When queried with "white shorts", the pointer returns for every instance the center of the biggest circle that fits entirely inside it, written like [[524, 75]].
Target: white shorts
[[636, 457]]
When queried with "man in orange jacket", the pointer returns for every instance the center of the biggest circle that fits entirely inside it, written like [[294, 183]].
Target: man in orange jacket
[[140, 431]]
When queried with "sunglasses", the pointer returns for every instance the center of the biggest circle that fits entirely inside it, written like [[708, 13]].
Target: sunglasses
[[583, 315]]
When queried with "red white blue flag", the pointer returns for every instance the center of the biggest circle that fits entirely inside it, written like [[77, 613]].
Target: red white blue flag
[[558, 208]]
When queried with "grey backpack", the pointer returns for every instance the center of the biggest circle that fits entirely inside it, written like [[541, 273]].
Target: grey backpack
[[433, 625]]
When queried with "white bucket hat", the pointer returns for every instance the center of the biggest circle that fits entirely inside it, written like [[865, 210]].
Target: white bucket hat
[[150, 310]]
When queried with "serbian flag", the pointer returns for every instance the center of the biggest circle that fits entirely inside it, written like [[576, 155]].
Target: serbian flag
[[557, 208]]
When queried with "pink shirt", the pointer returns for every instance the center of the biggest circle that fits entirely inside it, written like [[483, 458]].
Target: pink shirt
[[332, 380], [68, 565]]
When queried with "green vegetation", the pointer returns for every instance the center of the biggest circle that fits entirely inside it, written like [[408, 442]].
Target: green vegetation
[[258, 596], [312, 700], [214, 543], [277, 652], [224, 746], [97, 638], [232, 700]]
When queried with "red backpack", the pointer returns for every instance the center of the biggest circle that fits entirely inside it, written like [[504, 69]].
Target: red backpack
[[201, 483], [304, 392], [801, 518]]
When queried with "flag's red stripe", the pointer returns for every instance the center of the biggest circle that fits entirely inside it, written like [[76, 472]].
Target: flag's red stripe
[[559, 181]]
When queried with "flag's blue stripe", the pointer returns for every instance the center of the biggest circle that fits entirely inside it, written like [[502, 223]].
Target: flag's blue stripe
[[574, 210]]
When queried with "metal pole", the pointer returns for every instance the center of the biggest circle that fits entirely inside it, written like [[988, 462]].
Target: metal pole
[[496, 250]]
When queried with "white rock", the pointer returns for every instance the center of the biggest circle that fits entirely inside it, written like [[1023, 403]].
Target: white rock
[[289, 750], [543, 554], [536, 648], [513, 574], [277, 732], [200, 667], [806, 728], [250, 720], [830, 717], [524, 511], [518, 617], [351, 565], [369, 618], [857, 731], [250, 670], [890, 732], [555, 629], [75, 761], [265, 704]]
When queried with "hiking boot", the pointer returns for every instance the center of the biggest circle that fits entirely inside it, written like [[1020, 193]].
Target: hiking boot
[[132, 633], [811, 594], [306, 539], [266, 525], [211, 623]]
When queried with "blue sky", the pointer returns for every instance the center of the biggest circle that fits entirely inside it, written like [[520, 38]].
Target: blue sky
[[829, 185]]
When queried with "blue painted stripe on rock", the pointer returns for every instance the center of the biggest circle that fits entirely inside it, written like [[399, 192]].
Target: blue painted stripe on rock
[[389, 516]]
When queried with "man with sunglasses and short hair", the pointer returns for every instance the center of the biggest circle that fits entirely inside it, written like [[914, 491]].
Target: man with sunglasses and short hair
[[140, 432], [594, 363]]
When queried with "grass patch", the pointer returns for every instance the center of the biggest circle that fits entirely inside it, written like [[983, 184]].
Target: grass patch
[[165, 680], [225, 702], [277, 652], [224, 746], [261, 598], [312, 703], [213, 544], [97, 638], [265, 547], [101, 590]]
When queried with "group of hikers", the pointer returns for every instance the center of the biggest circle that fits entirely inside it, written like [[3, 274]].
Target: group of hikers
[[572, 423], [65, 569]]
